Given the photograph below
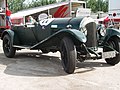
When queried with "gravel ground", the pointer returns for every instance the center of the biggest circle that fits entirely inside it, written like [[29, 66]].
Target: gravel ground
[[32, 70]]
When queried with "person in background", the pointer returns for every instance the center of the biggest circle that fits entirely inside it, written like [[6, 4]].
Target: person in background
[[31, 20], [8, 13]]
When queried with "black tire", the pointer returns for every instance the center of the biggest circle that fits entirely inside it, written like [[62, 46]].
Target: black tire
[[9, 51], [68, 55], [114, 43]]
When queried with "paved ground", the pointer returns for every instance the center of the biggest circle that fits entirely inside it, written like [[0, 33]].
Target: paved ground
[[30, 70]]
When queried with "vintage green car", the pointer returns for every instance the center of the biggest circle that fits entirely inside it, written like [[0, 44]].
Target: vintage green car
[[76, 39]]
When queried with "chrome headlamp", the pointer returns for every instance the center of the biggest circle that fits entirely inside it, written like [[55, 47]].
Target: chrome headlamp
[[102, 30]]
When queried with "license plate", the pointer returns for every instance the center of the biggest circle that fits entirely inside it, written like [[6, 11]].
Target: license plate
[[109, 54]]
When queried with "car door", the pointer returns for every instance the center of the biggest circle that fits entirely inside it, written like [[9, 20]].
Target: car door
[[43, 29], [26, 35]]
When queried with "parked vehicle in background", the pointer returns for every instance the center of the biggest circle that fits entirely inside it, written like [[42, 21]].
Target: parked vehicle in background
[[113, 19], [114, 10], [3, 22]]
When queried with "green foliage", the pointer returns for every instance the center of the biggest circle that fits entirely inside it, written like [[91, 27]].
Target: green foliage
[[17, 5], [38, 3], [98, 5], [105, 6], [63, 0], [92, 4], [52, 1]]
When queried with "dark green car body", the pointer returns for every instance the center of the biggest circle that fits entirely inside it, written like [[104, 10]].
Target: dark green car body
[[55, 34]]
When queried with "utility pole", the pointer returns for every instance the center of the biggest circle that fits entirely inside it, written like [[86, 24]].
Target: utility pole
[[70, 7]]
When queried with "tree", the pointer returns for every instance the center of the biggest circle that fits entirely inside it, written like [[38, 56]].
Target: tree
[[97, 5], [16, 5], [105, 6], [52, 1], [63, 0], [92, 4]]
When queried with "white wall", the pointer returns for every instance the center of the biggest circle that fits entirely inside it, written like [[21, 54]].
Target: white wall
[[114, 4]]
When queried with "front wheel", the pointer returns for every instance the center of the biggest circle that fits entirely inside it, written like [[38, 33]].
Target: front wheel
[[115, 44], [68, 55], [9, 51]]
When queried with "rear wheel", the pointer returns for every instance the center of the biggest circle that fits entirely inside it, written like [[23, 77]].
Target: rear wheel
[[115, 44], [9, 51], [68, 55]]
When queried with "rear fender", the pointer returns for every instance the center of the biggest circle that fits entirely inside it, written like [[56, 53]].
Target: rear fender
[[12, 36], [111, 32]]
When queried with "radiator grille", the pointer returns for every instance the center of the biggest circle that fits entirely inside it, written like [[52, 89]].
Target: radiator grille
[[91, 35]]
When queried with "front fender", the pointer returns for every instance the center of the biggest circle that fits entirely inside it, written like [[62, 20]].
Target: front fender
[[55, 39], [111, 32], [74, 34]]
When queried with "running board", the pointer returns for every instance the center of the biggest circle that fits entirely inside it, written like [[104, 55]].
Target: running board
[[23, 47]]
